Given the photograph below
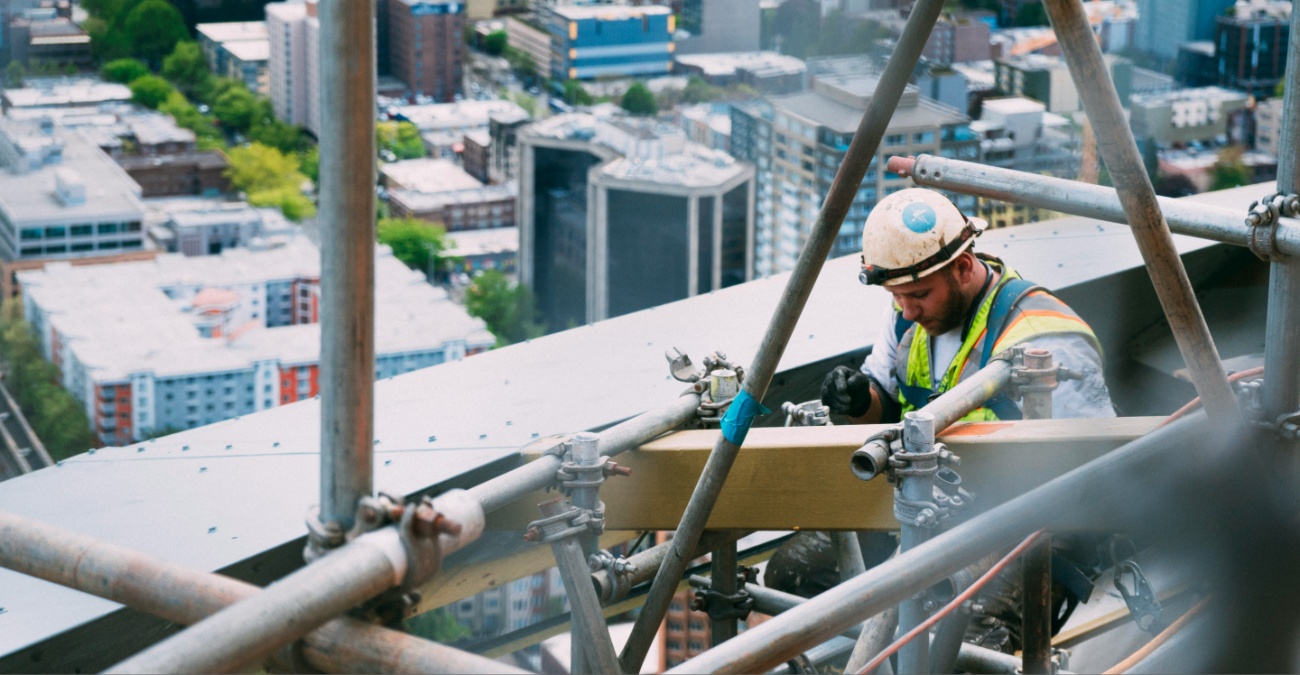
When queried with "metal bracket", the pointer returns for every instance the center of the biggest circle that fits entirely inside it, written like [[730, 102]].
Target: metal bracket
[[571, 475], [807, 414], [372, 514], [725, 606], [575, 521], [619, 571], [1263, 218], [717, 383]]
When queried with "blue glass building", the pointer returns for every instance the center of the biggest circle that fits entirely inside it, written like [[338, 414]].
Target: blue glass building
[[592, 41]]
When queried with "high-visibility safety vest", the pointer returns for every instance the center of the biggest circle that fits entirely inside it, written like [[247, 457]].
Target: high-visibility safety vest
[[1013, 311]]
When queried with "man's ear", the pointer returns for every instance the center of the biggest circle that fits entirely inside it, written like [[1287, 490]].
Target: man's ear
[[964, 266]]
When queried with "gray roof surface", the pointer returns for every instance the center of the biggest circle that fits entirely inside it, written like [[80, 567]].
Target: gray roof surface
[[826, 111], [165, 499]]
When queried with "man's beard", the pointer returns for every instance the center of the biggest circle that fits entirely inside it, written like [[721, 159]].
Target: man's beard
[[953, 312]]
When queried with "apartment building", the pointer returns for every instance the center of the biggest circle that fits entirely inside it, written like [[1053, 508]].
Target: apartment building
[[426, 47], [590, 41], [293, 31], [240, 50]]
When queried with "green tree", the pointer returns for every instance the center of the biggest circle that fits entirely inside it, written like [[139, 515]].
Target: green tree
[[699, 91], [523, 64], [56, 417], [400, 138], [189, 117], [509, 310], [496, 42], [106, 43], [309, 163], [269, 178], [150, 91], [417, 243], [152, 29], [236, 108], [1031, 14], [1229, 170], [186, 67], [295, 205], [14, 75], [124, 71], [439, 626], [638, 100], [575, 93], [526, 101]]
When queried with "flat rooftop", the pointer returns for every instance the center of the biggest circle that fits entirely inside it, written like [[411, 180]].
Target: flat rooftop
[[110, 194], [416, 200], [608, 12], [721, 65], [1212, 94], [484, 242], [157, 335], [428, 175], [250, 51], [1013, 105], [65, 92], [460, 115], [203, 159], [826, 104], [233, 31]]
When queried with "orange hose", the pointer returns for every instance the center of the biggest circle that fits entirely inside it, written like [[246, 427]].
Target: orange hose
[[954, 604], [1158, 640], [1191, 405]]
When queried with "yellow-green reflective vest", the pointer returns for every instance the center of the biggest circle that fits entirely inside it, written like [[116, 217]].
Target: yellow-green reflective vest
[[1016, 310]]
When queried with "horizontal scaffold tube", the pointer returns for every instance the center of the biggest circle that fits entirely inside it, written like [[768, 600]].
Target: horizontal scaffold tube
[[186, 596], [540, 474], [1084, 199], [1068, 500]]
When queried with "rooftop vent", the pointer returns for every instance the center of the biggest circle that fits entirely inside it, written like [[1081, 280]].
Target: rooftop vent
[[69, 187]]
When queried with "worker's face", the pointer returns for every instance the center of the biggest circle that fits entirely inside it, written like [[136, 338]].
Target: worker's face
[[935, 301]]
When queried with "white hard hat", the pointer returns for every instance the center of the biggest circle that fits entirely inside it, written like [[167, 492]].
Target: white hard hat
[[912, 233]]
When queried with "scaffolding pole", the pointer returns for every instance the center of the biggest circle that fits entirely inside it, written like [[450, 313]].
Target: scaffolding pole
[[186, 596], [889, 583], [1120, 154], [347, 218], [1084, 199], [861, 152], [1282, 329]]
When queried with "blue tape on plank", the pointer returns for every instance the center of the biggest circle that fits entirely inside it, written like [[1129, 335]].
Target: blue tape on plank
[[741, 414]]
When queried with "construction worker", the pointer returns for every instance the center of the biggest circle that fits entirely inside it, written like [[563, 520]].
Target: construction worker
[[952, 311]]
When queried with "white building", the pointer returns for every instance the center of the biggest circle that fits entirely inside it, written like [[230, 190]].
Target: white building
[[443, 126], [294, 62], [238, 49], [210, 338]]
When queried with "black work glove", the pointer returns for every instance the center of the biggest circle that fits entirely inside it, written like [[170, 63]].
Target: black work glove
[[847, 392]]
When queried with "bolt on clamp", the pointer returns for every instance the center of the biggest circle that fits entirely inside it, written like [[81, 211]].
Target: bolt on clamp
[[807, 414], [571, 522], [617, 569], [1263, 218], [724, 606]]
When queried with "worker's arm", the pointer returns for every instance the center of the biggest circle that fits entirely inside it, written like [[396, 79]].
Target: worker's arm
[[847, 391]]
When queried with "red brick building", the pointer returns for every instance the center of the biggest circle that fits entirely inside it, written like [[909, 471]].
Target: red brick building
[[191, 173], [426, 46]]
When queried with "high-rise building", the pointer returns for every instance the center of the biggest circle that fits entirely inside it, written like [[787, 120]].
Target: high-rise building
[[294, 62], [590, 41], [1165, 24], [426, 47], [1185, 115], [1250, 46], [239, 50], [798, 142], [1018, 133], [622, 214], [1047, 79], [718, 26], [1268, 125]]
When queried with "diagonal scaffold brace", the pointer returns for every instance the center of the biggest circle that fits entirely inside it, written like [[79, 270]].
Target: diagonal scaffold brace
[[861, 151]]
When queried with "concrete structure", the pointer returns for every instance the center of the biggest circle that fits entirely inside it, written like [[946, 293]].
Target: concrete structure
[[959, 39], [201, 172], [1163, 25], [294, 62], [212, 338], [63, 92], [119, 129], [479, 250], [477, 155], [1198, 166], [1047, 79], [1185, 115], [55, 40], [443, 125], [610, 40], [1268, 126], [439, 191], [532, 41], [426, 47], [239, 50], [620, 214], [798, 142], [1197, 65], [61, 197], [719, 26], [1018, 133], [1250, 45], [708, 124], [766, 72], [203, 227], [503, 148]]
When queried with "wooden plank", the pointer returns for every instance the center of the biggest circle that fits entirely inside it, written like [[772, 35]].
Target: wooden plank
[[798, 477]]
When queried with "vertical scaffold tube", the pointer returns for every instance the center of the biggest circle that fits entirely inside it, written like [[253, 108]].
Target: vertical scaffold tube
[[1119, 152], [746, 405], [347, 218]]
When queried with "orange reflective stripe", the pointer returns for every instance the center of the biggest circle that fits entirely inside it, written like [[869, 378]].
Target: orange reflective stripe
[[1030, 313]]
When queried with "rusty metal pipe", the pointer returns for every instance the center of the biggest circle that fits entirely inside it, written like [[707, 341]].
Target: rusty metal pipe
[[1120, 153], [186, 596]]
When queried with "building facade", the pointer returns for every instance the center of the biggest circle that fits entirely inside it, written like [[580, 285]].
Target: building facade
[[590, 41], [426, 47], [621, 214], [1185, 115], [212, 338], [189, 173], [719, 26], [1019, 134], [1250, 46], [1163, 25], [1047, 79], [798, 142], [438, 191], [240, 50], [293, 31]]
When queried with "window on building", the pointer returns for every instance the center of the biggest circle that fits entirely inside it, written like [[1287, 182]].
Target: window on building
[[107, 228]]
